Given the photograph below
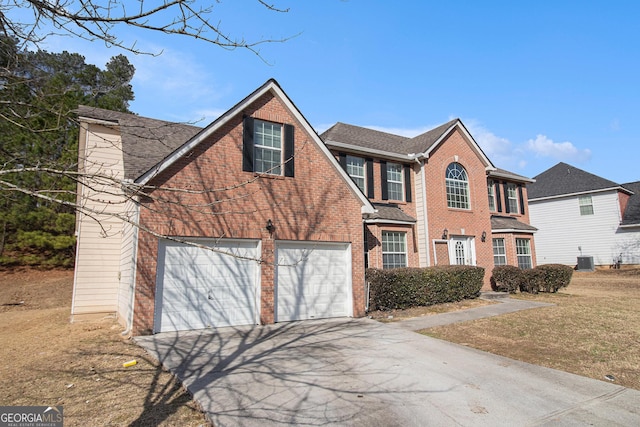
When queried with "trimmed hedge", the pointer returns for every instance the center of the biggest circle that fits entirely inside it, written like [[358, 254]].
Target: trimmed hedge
[[543, 278], [507, 278], [401, 288]]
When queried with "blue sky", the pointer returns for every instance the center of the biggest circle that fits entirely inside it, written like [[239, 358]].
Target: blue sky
[[535, 82]]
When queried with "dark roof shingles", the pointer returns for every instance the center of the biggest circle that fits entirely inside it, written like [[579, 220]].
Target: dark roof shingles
[[632, 212], [566, 179], [509, 223], [145, 141], [390, 212]]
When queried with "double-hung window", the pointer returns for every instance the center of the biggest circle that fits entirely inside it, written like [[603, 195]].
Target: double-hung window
[[395, 188], [512, 198], [267, 145], [394, 249], [523, 252], [356, 170], [499, 252], [586, 205], [457, 185], [491, 191]]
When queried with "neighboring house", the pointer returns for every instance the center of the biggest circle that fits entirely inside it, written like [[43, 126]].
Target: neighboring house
[[581, 214], [439, 199], [257, 219], [257, 185]]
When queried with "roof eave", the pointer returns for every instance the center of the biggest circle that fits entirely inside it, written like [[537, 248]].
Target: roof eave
[[367, 151], [388, 221], [559, 196], [475, 146], [511, 230], [497, 174]]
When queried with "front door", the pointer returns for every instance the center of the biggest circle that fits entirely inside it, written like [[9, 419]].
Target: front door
[[461, 251]]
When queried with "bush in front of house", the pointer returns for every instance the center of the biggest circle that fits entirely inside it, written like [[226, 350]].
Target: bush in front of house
[[401, 288], [543, 278], [556, 276], [507, 278]]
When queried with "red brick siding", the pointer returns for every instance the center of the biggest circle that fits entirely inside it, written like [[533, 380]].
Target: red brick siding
[[314, 205]]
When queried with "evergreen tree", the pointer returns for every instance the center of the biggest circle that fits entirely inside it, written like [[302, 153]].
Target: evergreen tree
[[38, 93]]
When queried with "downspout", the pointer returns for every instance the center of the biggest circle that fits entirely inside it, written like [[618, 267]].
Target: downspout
[[134, 255]]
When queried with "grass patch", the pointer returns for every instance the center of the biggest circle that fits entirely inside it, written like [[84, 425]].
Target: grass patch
[[45, 360], [592, 330], [385, 316]]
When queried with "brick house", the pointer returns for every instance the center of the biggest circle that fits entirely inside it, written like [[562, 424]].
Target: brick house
[[439, 199], [257, 219]]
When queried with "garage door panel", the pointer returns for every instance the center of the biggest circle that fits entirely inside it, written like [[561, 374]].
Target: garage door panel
[[313, 280], [200, 288]]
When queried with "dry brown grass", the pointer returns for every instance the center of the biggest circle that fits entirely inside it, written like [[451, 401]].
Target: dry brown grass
[[396, 315], [45, 360], [593, 330]]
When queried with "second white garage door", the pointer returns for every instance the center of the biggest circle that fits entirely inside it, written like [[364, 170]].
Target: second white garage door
[[199, 288], [313, 280]]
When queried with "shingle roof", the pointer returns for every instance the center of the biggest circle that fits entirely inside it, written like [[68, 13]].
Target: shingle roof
[[632, 212], [509, 223], [389, 212], [423, 142], [510, 175], [367, 138], [145, 141], [566, 179]]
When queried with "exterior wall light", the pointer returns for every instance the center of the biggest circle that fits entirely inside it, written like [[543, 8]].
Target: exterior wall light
[[270, 227], [445, 234], [484, 236]]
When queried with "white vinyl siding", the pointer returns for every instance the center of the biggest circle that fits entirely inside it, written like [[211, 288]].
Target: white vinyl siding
[[267, 140], [356, 170], [499, 252], [394, 249], [98, 253], [128, 264], [562, 230], [395, 186]]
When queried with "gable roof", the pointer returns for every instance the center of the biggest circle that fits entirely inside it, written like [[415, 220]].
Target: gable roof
[[383, 144], [145, 141], [631, 215], [389, 213], [564, 179], [273, 87]]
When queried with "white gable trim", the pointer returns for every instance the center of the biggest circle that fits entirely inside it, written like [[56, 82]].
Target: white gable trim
[[474, 145], [369, 151], [511, 230], [270, 86], [560, 196]]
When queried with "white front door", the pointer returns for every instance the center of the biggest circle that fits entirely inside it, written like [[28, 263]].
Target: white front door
[[461, 251]]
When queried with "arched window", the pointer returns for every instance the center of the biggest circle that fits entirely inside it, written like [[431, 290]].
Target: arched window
[[457, 185]]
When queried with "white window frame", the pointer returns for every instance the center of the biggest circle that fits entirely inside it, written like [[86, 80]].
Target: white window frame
[[523, 253], [512, 198], [267, 143], [357, 170], [457, 186], [395, 181], [586, 205], [491, 191], [394, 246], [499, 252]]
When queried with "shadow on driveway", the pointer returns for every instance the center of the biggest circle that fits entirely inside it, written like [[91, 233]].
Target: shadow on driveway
[[358, 371]]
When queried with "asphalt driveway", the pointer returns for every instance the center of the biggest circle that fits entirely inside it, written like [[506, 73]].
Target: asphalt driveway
[[361, 372]]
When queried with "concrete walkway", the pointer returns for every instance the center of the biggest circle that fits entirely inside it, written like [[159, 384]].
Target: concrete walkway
[[503, 305]]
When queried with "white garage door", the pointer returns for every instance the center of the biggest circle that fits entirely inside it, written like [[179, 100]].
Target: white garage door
[[198, 288], [313, 280]]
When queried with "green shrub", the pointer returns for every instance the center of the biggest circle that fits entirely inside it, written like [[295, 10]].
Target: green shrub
[[556, 276], [533, 280], [507, 278], [401, 288]]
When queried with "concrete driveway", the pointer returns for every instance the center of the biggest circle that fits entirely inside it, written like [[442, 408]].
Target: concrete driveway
[[361, 372]]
